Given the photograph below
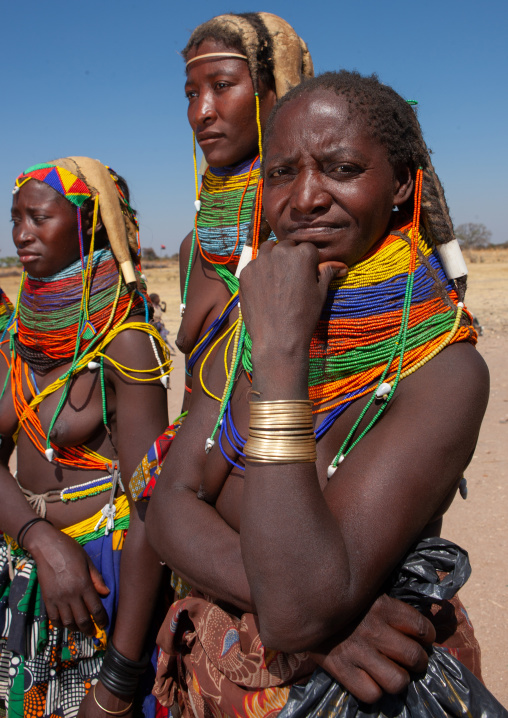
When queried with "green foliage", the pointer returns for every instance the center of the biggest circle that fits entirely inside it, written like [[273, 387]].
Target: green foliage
[[148, 253], [10, 262]]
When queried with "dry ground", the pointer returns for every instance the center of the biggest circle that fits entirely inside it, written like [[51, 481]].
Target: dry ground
[[480, 523]]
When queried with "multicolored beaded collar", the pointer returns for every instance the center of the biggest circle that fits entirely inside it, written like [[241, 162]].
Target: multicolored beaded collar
[[393, 312]]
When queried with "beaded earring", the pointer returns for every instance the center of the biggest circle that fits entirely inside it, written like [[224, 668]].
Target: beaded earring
[[198, 204]]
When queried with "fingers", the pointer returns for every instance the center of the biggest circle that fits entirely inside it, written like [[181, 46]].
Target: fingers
[[97, 580], [96, 609], [379, 676], [408, 620], [406, 652], [76, 616], [362, 686], [330, 270]]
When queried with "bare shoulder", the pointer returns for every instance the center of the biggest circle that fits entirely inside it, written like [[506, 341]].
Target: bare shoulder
[[458, 376], [134, 347]]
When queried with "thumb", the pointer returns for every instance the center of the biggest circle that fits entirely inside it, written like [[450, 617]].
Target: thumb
[[97, 580], [330, 270]]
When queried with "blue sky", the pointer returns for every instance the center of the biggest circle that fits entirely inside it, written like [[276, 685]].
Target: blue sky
[[104, 78]]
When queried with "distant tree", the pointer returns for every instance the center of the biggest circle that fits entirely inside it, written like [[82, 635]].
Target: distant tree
[[149, 254], [471, 235], [10, 262]]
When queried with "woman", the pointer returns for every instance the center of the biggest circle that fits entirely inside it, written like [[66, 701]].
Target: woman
[[83, 395], [237, 66], [354, 336]]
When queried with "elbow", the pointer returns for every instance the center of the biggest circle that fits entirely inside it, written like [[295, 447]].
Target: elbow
[[294, 631]]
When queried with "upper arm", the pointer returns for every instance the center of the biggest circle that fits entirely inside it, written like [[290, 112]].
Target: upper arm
[[139, 408], [401, 474]]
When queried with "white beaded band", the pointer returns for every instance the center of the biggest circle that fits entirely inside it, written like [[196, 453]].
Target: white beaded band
[[216, 54]]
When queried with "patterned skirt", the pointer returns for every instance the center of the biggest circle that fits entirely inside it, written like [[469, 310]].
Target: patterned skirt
[[46, 671]]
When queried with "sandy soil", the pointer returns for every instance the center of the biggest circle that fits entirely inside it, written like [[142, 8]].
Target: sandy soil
[[479, 524]]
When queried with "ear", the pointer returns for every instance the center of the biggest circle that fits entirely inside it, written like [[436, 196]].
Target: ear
[[87, 220], [403, 186], [268, 99], [98, 226]]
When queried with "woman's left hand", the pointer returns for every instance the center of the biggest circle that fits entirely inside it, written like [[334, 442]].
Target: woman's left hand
[[99, 696], [282, 293]]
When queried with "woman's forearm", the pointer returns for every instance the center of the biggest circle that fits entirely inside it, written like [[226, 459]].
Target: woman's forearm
[[140, 581], [196, 542]]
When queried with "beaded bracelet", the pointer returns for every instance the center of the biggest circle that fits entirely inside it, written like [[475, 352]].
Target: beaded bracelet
[[26, 528]]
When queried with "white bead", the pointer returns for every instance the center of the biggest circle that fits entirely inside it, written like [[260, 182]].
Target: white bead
[[143, 277], [49, 454], [209, 444], [461, 305], [93, 365], [383, 390], [182, 309], [331, 470], [341, 458], [165, 381], [197, 204]]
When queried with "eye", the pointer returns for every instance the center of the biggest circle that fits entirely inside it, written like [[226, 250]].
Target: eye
[[222, 85], [278, 172], [190, 94], [346, 169]]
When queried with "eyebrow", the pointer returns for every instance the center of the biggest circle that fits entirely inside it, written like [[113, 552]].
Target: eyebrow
[[331, 152], [230, 72]]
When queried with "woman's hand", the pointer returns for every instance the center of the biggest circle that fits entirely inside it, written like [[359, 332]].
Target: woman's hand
[[282, 293], [381, 652], [71, 585], [100, 696]]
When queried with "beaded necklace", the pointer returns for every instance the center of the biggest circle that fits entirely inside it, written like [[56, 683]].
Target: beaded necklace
[[50, 308], [49, 320], [393, 312], [225, 204], [6, 310]]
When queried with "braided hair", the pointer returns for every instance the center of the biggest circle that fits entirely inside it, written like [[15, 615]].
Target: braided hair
[[260, 58]]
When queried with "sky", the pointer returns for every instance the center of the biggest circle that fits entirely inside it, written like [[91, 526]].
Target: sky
[[105, 79]]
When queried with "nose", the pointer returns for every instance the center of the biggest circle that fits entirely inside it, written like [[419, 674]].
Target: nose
[[203, 109], [309, 196], [22, 234]]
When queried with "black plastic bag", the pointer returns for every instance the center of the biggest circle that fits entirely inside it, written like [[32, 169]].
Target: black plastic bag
[[447, 689]]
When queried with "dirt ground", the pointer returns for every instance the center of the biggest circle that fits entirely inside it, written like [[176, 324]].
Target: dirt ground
[[480, 523]]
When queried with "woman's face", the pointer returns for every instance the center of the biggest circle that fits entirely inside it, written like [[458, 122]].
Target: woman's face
[[222, 107], [45, 229], [328, 180]]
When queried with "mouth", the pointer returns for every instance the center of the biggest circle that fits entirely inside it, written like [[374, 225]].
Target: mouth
[[27, 257], [207, 138], [312, 232]]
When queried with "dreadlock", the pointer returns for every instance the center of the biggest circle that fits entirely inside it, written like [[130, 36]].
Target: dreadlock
[[260, 58]]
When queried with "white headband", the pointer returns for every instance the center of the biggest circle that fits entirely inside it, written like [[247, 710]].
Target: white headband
[[216, 54]]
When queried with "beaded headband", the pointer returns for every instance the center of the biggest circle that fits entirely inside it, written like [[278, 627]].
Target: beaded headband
[[216, 54], [81, 178], [67, 184]]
